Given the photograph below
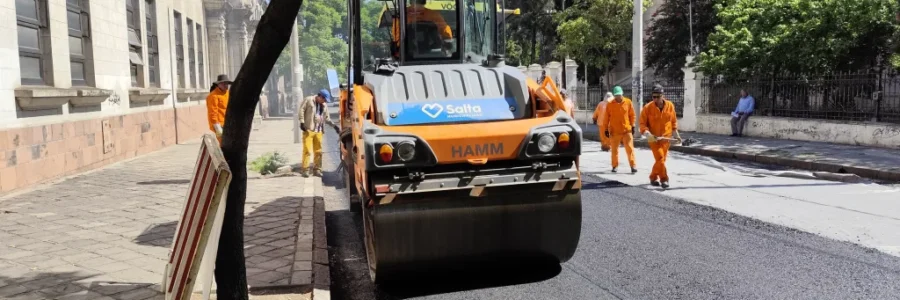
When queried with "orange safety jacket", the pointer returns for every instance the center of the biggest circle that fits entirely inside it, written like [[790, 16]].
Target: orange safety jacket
[[660, 122], [216, 102], [619, 117]]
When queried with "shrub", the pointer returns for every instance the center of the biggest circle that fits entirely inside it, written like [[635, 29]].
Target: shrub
[[268, 163]]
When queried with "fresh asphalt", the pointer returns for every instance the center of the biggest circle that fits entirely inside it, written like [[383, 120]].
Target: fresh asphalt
[[635, 244]]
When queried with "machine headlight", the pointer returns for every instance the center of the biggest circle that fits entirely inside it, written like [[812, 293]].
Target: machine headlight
[[406, 151], [546, 141]]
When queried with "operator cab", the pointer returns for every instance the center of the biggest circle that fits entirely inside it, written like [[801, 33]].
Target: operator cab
[[435, 32]]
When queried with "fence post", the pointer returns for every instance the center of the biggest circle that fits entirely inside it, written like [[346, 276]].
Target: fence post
[[880, 98], [693, 90], [572, 78]]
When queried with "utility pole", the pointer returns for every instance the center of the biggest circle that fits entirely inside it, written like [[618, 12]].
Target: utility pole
[[691, 24], [567, 56], [637, 57], [296, 90]]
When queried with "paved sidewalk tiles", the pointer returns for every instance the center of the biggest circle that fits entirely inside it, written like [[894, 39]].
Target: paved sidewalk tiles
[[106, 234]]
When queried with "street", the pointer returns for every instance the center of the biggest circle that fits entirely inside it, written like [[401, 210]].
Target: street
[[638, 244]]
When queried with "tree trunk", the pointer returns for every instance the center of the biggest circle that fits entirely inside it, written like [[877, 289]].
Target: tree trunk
[[271, 36]]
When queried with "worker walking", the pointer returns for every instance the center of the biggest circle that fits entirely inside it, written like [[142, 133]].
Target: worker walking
[[313, 114], [599, 118], [658, 122], [619, 127], [216, 103]]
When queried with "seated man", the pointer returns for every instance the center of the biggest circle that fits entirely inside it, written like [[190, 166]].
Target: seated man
[[741, 113], [417, 12]]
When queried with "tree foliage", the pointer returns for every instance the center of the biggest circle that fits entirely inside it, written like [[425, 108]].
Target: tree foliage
[[322, 42], [798, 36], [594, 31], [669, 38], [534, 26]]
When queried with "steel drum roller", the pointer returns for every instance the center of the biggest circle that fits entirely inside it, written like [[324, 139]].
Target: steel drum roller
[[446, 228]]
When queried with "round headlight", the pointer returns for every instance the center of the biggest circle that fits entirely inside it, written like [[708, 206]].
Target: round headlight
[[546, 141], [406, 151]]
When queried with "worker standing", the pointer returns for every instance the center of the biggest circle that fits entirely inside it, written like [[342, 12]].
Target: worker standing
[[658, 122], [619, 127], [313, 114], [216, 103], [599, 118]]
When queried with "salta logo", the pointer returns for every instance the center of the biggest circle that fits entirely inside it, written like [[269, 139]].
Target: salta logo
[[434, 110]]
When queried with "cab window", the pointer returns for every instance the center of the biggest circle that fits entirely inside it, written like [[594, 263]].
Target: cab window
[[432, 29]]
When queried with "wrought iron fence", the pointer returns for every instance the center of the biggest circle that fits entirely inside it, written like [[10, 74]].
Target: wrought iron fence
[[849, 97], [595, 95]]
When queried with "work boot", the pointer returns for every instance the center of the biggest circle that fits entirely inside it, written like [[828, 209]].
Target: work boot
[[633, 170], [665, 184], [614, 169], [304, 172], [317, 173], [654, 183]]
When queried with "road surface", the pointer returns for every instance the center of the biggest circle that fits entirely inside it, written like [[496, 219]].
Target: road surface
[[637, 244]]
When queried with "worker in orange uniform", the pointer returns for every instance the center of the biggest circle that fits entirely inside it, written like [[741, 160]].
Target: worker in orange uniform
[[599, 118], [216, 103], [619, 127], [658, 122], [417, 12]]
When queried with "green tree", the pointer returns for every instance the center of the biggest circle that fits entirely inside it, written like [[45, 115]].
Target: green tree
[[535, 26], [322, 42], [594, 31], [769, 37], [669, 38]]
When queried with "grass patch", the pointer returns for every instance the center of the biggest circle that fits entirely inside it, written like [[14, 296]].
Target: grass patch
[[268, 163]]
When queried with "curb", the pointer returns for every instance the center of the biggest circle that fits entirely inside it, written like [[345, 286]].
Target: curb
[[314, 276], [321, 271], [780, 161]]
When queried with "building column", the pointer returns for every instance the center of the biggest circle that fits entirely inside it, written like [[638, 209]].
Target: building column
[[693, 90], [237, 43], [251, 32], [217, 54]]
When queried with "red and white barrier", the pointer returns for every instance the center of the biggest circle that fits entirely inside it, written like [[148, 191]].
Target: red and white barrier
[[196, 241]]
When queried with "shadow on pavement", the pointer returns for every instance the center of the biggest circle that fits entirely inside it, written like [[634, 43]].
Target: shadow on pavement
[[464, 278], [74, 285], [611, 184]]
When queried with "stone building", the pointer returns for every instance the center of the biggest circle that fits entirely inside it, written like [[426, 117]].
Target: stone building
[[85, 83], [230, 25]]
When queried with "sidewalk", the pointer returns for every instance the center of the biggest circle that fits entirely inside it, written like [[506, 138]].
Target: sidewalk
[[106, 234], [869, 162]]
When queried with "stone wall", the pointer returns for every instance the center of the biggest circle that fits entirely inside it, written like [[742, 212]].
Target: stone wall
[[36, 154], [853, 133]]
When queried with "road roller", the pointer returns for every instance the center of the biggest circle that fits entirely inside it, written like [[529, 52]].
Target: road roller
[[450, 155]]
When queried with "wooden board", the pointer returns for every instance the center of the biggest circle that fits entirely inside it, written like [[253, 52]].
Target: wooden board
[[192, 256]]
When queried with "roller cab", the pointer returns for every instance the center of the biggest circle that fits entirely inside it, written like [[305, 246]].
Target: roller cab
[[451, 157]]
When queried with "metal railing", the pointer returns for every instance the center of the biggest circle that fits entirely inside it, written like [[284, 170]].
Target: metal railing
[[595, 95], [846, 97]]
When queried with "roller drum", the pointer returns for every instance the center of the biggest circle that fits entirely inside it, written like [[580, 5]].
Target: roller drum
[[451, 229]]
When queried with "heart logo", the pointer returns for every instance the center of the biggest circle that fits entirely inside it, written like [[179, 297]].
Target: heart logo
[[433, 110]]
